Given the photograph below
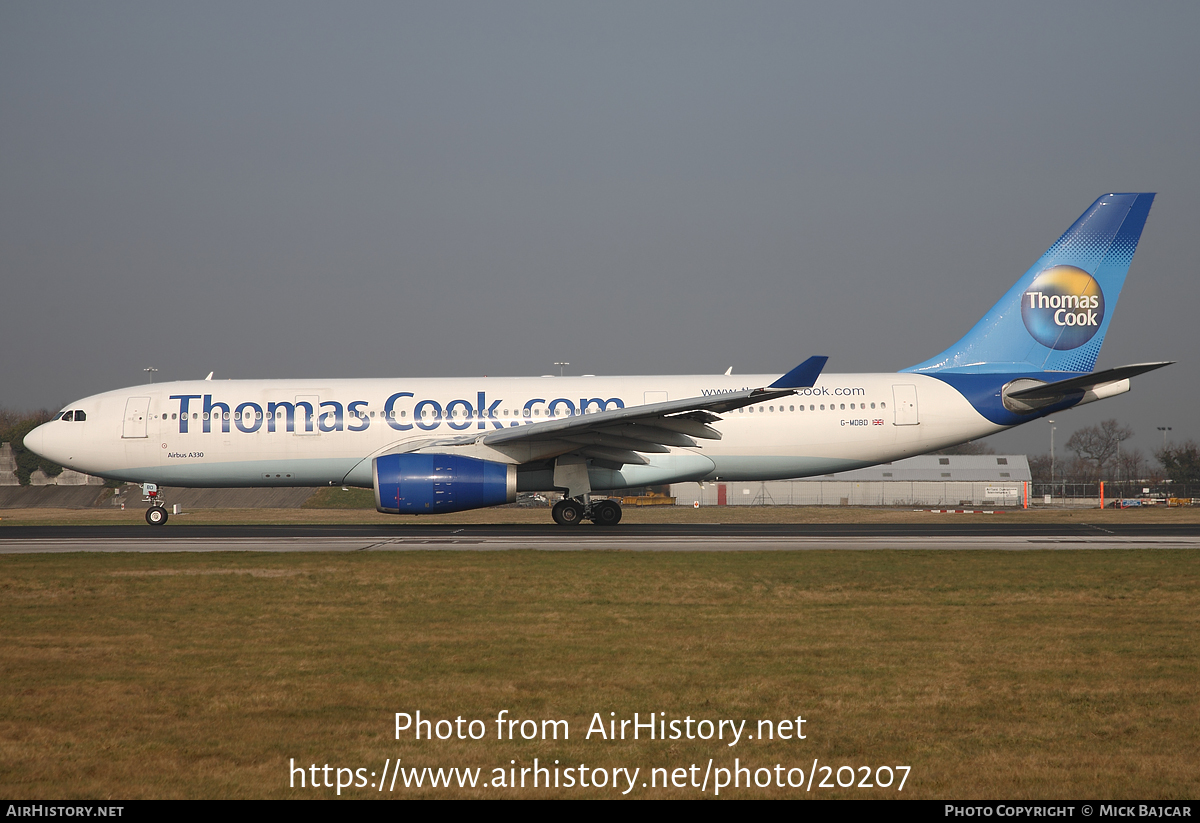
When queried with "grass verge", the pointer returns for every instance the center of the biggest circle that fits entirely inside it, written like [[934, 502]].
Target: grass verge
[[1001, 675]]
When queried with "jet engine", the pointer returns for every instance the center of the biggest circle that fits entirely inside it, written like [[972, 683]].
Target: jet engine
[[441, 483]]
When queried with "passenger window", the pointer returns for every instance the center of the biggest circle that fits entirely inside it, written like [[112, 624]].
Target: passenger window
[[822, 407], [843, 407], [793, 408], [872, 405], [883, 405], [813, 408], [771, 408]]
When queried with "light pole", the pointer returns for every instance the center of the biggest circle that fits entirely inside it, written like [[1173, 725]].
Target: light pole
[[560, 367], [151, 372], [1050, 420], [1164, 430]]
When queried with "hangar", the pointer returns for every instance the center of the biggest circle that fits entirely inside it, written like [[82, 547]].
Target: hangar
[[927, 480]]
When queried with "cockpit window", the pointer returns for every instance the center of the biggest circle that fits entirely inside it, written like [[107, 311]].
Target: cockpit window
[[69, 415], [79, 415]]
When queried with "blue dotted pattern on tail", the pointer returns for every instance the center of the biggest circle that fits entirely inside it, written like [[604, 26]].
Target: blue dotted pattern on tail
[[1101, 242]]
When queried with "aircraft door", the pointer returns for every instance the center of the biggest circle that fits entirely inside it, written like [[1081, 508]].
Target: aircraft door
[[905, 403], [135, 417]]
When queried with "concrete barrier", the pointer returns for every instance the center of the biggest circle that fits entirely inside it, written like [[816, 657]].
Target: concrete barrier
[[50, 497], [8, 466], [222, 498], [70, 477]]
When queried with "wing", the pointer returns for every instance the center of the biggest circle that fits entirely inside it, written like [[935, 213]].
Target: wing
[[619, 436]]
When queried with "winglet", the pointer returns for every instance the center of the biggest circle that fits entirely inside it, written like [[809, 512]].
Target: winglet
[[803, 376]]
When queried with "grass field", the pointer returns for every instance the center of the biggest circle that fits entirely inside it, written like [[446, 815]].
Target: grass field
[[990, 674]]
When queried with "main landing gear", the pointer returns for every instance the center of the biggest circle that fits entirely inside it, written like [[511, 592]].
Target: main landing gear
[[569, 511]]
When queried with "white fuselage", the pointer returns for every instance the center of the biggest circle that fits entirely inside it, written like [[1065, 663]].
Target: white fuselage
[[232, 433]]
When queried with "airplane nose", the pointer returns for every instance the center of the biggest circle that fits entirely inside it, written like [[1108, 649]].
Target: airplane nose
[[35, 440]]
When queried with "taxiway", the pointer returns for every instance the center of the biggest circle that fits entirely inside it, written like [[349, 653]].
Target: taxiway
[[962, 536]]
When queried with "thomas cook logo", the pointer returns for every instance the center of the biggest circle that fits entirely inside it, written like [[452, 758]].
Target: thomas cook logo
[[1063, 307]]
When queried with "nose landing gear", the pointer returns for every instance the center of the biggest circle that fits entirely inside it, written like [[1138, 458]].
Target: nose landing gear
[[156, 515]]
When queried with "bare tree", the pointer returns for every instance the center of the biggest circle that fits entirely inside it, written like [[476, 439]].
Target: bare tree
[[1130, 466], [1097, 445], [1181, 463], [1039, 468]]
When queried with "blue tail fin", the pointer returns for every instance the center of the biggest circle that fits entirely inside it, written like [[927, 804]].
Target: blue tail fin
[[1056, 316]]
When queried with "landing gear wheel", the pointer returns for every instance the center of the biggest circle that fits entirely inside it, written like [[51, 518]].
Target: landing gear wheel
[[156, 515], [567, 512], [606, 513]]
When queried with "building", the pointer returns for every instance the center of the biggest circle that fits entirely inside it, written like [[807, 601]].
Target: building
[[929, 480]]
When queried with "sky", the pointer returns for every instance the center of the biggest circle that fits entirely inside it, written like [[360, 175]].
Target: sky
[[351, 189]]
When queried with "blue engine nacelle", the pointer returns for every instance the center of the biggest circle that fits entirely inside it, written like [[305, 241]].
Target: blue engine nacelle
[[441, 483]]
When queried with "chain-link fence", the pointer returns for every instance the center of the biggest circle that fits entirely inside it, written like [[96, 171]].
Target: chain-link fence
[[948, 494], [850, 493], [1133, 492]]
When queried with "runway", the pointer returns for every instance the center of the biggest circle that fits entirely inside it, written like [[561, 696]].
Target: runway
[[674, 538]]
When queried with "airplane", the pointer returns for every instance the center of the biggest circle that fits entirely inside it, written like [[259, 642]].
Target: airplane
[[439, 445]]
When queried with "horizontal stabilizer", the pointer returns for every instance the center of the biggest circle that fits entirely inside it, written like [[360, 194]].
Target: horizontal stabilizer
[[1086, 382], [803, 376]]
